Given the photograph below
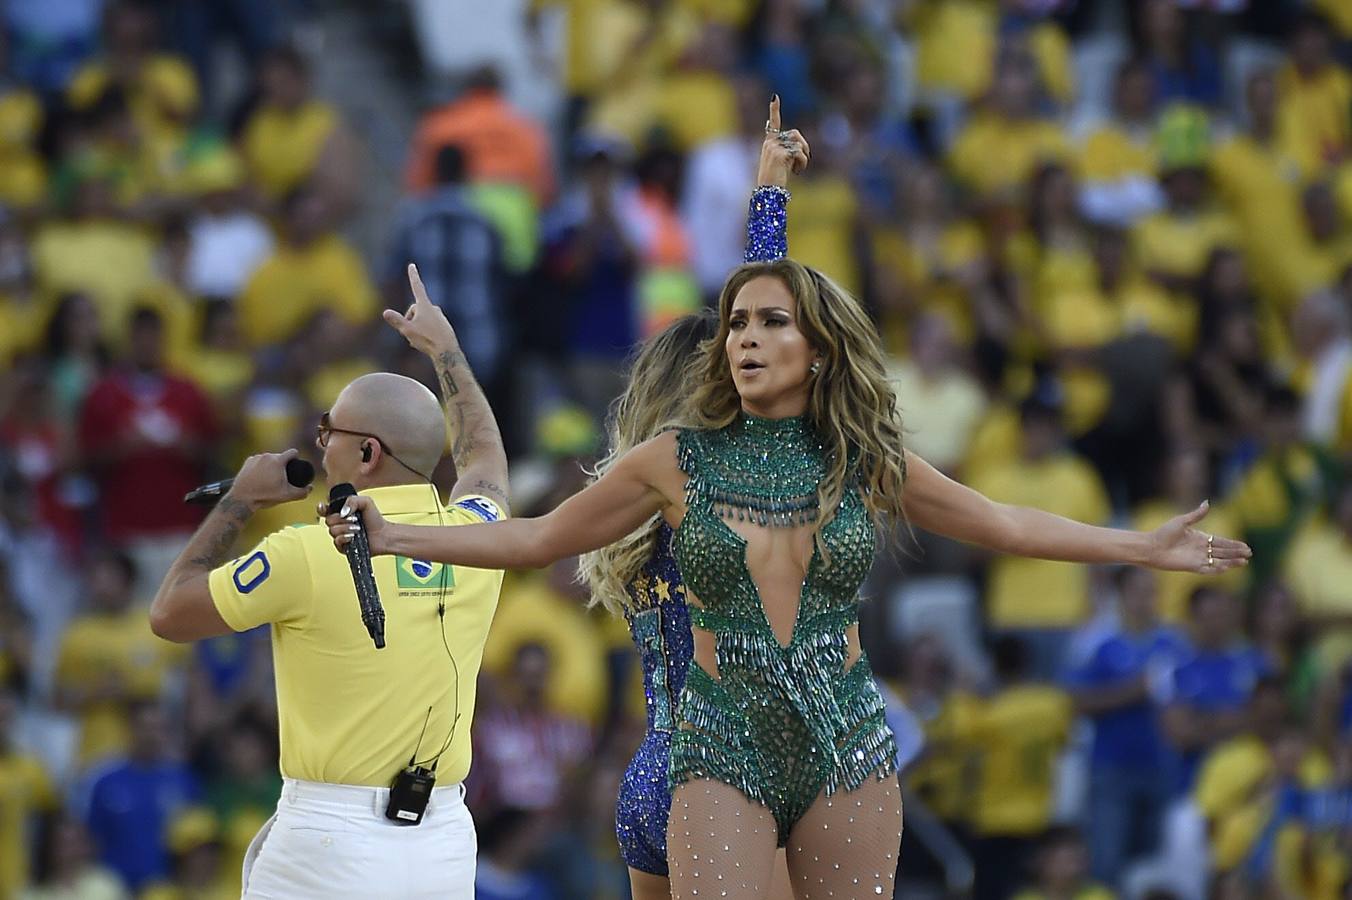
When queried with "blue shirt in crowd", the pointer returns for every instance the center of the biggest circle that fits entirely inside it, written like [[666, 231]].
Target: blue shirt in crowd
[[1127, 737], [1210, 681], [130, 807]]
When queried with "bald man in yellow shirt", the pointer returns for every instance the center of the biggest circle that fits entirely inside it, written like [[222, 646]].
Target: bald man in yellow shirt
[[356, 721]]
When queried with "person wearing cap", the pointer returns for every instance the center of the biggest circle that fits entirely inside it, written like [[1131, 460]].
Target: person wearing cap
[[353, 717]]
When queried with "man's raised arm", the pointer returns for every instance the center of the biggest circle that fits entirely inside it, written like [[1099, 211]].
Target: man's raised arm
[[476, 443]]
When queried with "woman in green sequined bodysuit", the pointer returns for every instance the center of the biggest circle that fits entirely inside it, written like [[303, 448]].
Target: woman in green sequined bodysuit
[[775, 497]]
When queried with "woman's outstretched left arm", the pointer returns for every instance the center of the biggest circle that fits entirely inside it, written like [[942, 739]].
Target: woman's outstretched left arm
[[937, 503]]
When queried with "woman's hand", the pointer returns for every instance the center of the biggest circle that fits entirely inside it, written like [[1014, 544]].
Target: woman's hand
[[424, 326], [1179, 547], [783, 153], [343, 523]]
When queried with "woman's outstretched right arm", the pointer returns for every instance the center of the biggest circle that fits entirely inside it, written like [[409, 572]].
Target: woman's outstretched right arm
[[640, 484]]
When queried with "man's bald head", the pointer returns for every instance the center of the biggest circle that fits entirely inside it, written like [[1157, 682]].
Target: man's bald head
[[402, 411]]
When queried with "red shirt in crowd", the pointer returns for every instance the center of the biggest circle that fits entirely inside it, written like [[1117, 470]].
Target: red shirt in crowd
[[145, 434]]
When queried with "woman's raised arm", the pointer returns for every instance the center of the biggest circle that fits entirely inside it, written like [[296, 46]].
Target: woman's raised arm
[[936, 503], [641, 483]]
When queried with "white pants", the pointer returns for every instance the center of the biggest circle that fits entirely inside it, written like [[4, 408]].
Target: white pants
[[333, 841]]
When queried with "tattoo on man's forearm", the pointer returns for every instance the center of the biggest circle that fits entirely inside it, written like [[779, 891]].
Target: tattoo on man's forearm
[[222, 530], [490, 488], [447, 361], [462, 436]]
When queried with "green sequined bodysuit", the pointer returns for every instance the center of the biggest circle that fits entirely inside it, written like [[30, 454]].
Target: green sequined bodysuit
[[780, 724]]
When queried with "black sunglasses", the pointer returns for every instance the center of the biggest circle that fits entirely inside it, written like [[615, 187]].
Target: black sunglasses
[[325, 428]]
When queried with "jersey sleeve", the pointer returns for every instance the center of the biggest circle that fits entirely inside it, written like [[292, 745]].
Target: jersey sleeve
[[269, 584], [473, 509]]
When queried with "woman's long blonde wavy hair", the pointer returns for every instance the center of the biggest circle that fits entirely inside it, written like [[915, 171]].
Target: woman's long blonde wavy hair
[[659, 383], [851, 404]]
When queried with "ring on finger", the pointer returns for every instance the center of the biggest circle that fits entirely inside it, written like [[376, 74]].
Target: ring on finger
[[770, 129]]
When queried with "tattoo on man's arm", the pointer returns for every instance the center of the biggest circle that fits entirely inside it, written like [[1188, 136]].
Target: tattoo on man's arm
[[447, 361], [223, 529]]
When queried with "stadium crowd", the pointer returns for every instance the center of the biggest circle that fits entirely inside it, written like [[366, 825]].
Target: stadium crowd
[[1109, 248]]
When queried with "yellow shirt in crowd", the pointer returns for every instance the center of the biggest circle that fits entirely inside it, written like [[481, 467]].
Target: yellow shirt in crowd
[[100, 648], [110, 261], [282, 147], [1020, 733], [293, 285], [1035, 593], [25, 791], [530, 612], [1180, 244], [1019, 145], [822, 228], [1312, 118], [349, 713]]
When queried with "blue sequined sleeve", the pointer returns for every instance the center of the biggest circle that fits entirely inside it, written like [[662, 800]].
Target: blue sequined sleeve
[[767, 225]]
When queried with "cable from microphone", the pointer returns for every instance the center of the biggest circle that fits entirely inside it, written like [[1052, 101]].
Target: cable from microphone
[[358, 553], [299, 473]]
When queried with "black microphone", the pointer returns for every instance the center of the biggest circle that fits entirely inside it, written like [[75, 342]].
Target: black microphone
[[298, 472], [358, 553]]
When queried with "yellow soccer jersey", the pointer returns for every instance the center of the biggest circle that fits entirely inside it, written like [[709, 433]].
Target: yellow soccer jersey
[[349, 713]]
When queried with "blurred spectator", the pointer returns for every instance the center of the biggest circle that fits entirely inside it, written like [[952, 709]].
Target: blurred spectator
[[243, 788], [50, 41], [146, 436], [1018, 734], [948, 712], [42, 445], [1062, 870], [292, 140], [460, 258], [1117, 157], [23, 178], [878, 143], [666, 287], [132, 800], [1283, 487], [197, 871], [109, 658], [509, 839], [1173, 245], [1209, 689], [1239, 769], [526, 753], [1041, 600], [1318, 565], [547, 609], [220, 363], [159, 87], [944, 402], [96, 254], [16, 645], [1315, 93], [1185, 481], [1321, 335], [67, 868], [1283, 636], [500, 144], [826, 229], [594, 243], [312, 269], [226, 240], [33, 552], [1187, 68], [74, 352], [718, 176], [1009, 126], [196, 30], [1257, 176], [933, 259], [26, 791], [1113, 687]]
